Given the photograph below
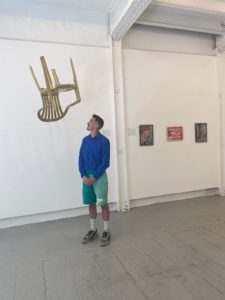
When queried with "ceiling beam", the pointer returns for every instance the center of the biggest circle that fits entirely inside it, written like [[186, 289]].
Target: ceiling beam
[[212, 7], [177, 18], [124, 16], [206, 16]]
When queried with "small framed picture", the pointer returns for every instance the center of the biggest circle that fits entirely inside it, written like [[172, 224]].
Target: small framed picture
[[146, 135], [201, 133], [175, 133]]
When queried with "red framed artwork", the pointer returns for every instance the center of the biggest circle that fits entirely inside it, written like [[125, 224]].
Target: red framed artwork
[[175, 133]]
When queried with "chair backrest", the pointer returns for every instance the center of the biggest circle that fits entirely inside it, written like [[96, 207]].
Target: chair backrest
[[52, 110]]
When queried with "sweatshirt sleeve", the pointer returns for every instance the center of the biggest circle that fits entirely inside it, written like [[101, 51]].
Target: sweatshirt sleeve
[[81, 161], [105, 158]]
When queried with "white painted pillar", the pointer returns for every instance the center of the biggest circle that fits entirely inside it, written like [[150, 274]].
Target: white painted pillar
[[221, 83], [120, 119]]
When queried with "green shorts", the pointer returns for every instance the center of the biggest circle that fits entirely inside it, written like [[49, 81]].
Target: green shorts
[[98, 192]]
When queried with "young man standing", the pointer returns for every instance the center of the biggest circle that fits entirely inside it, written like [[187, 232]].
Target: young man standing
[[93, 161]]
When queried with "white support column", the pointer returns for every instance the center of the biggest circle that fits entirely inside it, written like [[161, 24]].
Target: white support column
[[120, 125], [221, 81]]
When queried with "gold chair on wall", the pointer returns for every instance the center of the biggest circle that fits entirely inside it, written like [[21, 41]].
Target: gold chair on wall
[[52, 110]]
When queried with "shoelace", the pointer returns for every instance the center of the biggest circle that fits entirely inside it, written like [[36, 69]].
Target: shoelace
[[105, 235], [90, 233]]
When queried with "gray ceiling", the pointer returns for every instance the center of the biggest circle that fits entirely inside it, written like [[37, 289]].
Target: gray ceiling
[[193, 15], [103, 6]]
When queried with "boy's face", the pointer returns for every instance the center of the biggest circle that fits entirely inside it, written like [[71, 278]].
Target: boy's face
[[92, 124]]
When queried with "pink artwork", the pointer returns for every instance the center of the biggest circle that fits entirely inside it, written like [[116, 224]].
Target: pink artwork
[[174, 133]]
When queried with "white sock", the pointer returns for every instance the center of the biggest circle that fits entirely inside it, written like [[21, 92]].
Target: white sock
[[93, 224], [106, 225]]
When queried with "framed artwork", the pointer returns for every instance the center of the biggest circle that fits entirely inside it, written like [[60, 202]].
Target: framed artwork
[[175, 133], [146, 135], [201, 132]]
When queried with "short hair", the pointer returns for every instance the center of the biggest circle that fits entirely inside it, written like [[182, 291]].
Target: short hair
[[99, 120]]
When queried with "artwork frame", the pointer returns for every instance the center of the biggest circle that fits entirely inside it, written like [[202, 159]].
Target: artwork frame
[[175, 133], [201, 133], [146, 135]]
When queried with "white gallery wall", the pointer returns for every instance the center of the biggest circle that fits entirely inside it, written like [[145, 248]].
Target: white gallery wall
[[170, 89], [39, 170], [165, 84], [39, 161], [169, 40]]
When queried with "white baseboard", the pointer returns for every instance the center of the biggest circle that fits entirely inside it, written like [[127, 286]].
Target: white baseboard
[[49, 216], [174, 197]]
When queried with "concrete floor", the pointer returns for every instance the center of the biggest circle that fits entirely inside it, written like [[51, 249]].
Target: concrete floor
[[166, 251]]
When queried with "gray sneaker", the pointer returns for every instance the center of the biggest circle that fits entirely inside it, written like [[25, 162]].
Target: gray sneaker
[[90, 236], [106, 238]]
